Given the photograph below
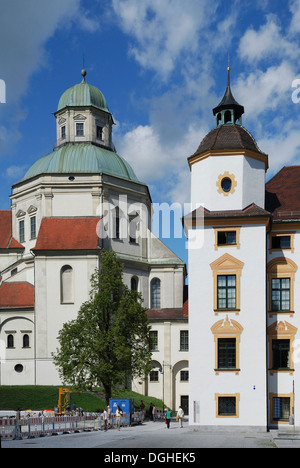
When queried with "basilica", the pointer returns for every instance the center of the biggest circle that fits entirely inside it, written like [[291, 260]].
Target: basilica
[[71, 203], [229, 352]]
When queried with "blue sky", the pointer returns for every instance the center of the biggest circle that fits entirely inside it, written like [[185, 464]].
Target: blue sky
[[161, 65]]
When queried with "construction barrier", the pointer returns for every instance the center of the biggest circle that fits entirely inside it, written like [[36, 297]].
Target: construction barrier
[[31, 427]]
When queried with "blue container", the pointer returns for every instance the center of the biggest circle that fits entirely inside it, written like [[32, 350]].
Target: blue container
[[126, 405]]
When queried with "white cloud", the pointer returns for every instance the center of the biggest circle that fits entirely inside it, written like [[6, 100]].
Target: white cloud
[[163, 31], [261, 91], [268, 42]]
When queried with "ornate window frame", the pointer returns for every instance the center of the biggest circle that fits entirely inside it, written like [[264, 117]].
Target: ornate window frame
[[237, 404], [233, 181], [281, 267], [280, 395], [227, 329], [227, 265]]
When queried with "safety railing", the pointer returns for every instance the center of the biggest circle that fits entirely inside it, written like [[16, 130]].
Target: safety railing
[[43, 426]]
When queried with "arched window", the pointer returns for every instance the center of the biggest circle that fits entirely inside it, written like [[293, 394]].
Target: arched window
[[67, 285], [10, 341], [26, 341], [155, 293], [134, 283], [228, 117]]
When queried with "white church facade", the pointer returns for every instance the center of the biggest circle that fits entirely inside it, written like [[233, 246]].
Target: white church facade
[[244, 283], [71, 203]]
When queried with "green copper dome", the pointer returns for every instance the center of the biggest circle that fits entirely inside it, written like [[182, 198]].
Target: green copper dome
[[75, 158], [82, 95]]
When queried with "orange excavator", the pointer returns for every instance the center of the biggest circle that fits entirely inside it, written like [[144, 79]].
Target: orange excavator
[[63, 405]]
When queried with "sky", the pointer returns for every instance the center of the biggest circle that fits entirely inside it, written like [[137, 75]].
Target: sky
[[161, 65]]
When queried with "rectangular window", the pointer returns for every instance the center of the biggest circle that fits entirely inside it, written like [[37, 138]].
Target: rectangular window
[[280, 294], [63, 132], [153, 341], [79, 129], [154, 376], [281, 408], [184, 376], [184, 340], [22, 231], [226, 237], [33, 227], [280, 354], [227, 406], [227, 292], [226, 353], [281, 242], [99, 133]]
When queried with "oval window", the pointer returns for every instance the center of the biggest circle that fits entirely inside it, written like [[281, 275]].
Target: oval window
[[226, 184]]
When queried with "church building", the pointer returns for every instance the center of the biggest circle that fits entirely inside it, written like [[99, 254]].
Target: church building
[[70, 204], [244, 283]]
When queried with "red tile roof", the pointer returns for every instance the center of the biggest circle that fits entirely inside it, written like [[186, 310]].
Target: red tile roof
[[283, 194], [6, 239], [68, 234], [168, 314], [16, 295]]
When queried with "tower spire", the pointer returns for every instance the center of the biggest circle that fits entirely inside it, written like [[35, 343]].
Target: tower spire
[[229, 111]]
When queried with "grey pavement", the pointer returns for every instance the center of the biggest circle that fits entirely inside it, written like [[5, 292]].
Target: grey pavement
[[151, 435]]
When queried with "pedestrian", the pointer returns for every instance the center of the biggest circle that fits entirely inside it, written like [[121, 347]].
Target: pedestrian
[[153, 413], [109, 416], [119, 414], [180, 415], [105, 419], [142, 405], [168, 418]]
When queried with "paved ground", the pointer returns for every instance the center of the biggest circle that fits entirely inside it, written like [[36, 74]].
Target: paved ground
[[156, 436]]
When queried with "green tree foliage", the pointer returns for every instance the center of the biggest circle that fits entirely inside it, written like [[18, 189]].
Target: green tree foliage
[[110, 337]]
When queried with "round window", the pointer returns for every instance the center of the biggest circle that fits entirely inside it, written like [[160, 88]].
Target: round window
[[19, 368], [226, 184]]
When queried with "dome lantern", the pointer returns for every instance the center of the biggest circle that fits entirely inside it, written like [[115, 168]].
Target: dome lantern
[[229, 111]]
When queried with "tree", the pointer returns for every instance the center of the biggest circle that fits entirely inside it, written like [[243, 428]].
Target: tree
[[110, 337]]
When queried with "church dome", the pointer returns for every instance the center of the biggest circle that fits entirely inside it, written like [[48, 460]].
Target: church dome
[[228, 137], [84, 157], [82, 95]]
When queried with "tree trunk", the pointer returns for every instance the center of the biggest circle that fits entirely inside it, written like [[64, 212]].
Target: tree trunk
[[107, 390]]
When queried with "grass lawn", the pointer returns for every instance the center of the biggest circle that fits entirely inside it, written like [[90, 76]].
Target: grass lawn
[[45, 397]]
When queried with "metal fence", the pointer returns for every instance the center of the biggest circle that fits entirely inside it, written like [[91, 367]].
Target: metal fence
[[30, 427]]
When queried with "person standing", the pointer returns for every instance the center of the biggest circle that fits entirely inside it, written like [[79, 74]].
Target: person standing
[[109, 416], [105, 419], [153, 413], [119, 414], [168, 418], [180, 415]]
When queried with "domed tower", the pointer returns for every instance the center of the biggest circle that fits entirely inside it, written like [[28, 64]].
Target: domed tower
[[83, 115], [83, 171], [228, 168]]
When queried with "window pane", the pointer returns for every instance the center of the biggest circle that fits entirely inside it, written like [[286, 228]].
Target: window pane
[[227, 406], [155, 294], [285, 242], [281, 409], [22, 231], [226, 353], [281, 354], [79, 129]]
